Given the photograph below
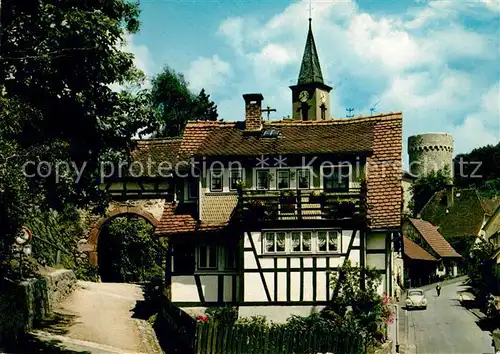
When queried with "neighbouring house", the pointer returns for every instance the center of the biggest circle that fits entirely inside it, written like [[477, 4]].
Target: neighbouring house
[[463, 212], [420, 265], [425, 235], [266, 211]]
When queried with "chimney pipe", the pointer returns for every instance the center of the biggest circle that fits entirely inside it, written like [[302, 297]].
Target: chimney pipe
[[253, 111], [450, 191]]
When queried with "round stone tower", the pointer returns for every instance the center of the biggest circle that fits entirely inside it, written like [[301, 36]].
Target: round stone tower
[[430, 152]]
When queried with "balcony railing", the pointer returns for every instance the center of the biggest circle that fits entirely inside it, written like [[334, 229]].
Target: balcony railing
[[301, 205]]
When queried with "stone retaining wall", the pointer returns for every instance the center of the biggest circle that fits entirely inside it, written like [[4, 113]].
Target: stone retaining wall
[[24, 305]]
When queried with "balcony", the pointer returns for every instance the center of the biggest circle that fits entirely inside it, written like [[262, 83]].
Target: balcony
[[268, 206]]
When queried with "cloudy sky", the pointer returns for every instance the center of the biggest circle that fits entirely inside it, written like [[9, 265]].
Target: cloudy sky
[[436, 61]]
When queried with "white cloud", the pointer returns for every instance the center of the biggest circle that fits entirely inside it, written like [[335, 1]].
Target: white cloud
[[142, 56], [142, 60], [232, 30], [208, 73], [425, 62], [483, 126], [493, 5]]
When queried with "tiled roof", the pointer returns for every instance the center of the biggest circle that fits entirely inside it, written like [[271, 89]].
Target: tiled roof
[[464, 217], [433, 238], [384, 173], [296, 137], [414, 251], [154, 152], [172, 222], [489, 205], [217, 208]]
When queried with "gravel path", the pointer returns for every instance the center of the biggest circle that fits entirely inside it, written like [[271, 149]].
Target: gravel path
[[101, 320]]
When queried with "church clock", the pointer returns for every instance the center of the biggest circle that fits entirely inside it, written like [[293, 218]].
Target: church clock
[[303, 96]]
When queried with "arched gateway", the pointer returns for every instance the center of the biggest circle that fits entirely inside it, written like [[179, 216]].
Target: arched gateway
[[149, 210]]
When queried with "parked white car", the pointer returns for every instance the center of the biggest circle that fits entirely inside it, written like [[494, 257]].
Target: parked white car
[[416, 299]]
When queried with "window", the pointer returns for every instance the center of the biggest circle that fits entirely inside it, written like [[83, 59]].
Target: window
[[323, 111], [328, 241], [275, 242], [183, 259], [207, 257], [336, 178], [303, 179], [193, 188], [298, 241], [216, 180], [230, 257], [301, 241], [263, 179], [284, 179], [217, 257], [234, 176]]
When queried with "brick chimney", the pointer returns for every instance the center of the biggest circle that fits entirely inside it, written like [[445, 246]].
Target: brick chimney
[[253, 111]]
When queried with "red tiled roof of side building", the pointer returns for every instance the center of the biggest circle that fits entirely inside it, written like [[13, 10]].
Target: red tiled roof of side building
[[432, 236], [172, 223], [384, 173], [414, 251]]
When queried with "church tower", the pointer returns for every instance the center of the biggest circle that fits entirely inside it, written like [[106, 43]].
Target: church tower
[[310, 97]]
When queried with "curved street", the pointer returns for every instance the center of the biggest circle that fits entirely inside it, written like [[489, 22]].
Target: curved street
[[446, 327]]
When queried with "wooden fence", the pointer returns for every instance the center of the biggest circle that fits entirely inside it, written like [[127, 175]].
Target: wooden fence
[[216, 338]]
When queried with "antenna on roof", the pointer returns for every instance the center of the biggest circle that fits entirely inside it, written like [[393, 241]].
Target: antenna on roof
[[349, 112], [372, 109], [268, 110]]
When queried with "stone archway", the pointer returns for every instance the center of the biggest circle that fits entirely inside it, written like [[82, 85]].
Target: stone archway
[[91, 245]]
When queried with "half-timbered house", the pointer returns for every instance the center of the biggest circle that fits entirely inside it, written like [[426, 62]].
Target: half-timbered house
[[270, 209]]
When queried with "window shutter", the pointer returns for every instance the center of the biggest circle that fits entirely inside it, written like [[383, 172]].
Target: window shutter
[[249, 177], [316, 176]]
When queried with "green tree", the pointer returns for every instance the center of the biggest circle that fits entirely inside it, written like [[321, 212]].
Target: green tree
[[480, 269], [128, 252], [491, 188], [205, 109], [478, 166], [56, 104], [425, 187], [176, 104]]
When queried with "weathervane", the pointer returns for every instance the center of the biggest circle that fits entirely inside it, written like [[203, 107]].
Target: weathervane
[[310, 10]]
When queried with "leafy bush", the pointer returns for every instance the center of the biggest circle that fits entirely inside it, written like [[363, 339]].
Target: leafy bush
[[86, 271], [225, 315], [128, 251], [359, 307]]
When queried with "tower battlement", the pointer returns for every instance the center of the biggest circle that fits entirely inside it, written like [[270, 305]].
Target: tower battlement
[[430, 152]]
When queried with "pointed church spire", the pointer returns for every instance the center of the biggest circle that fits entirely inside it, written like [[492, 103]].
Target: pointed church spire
[[310, 70]]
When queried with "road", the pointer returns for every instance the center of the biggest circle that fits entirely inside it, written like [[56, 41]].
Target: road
[[445, 327]]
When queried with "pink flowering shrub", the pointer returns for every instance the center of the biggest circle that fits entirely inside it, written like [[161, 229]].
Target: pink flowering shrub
[[202, 318]]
